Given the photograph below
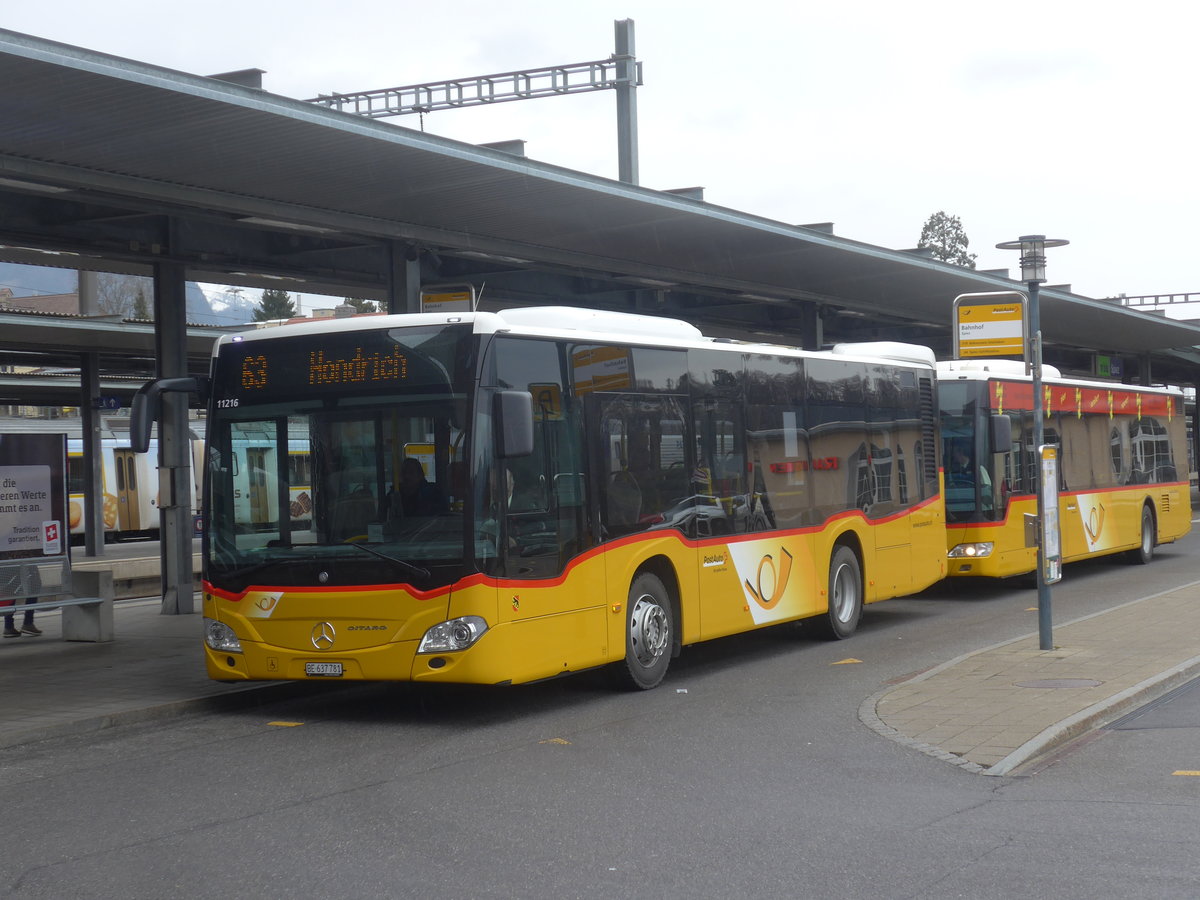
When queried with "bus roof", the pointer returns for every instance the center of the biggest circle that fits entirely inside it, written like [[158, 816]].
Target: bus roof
[[1014, 370], [894, 350], [569, 321], [990, 368]]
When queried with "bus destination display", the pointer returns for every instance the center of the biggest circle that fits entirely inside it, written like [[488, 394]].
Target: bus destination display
[[368, 362], [361, 367]]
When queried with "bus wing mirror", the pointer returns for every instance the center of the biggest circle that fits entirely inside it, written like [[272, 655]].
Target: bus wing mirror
[[513, 415], [1001, 433], [144, 409]]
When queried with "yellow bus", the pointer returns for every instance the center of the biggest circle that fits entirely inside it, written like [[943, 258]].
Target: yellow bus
[[593, 489], [1123, 466]]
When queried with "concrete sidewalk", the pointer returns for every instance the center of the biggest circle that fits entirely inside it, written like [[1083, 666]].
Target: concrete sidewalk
[[988, 711], [153, 669], [996, 709]]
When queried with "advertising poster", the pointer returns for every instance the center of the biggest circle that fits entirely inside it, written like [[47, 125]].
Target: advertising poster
[[33, 524], [33, 496]]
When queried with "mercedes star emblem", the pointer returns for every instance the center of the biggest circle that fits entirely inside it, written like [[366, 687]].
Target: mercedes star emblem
[[323, 634]]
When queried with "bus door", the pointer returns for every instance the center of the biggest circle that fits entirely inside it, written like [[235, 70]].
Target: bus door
[[643, 479], [723, 503], [881, 485], [891, 482], [129, 506]]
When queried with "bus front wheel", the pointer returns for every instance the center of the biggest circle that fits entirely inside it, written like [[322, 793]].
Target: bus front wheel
[[649, 633], [1144, 551], [845, 596]]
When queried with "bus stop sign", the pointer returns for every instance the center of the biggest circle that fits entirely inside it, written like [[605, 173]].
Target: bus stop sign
[[990, 324]]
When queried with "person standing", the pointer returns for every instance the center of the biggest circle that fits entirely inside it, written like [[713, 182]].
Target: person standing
[[27, 627]]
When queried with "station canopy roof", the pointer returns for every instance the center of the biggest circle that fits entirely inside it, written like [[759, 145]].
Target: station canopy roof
[[113, 164]]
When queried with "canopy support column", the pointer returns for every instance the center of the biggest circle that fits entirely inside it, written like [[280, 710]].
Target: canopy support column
[[404, 283], [89, 388], [174, 448]]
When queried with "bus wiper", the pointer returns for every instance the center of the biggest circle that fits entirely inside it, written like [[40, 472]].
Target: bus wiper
[[235, 571], [404, 564]]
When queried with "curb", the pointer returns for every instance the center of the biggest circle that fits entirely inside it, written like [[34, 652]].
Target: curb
[[1098, 715], [868, 716], [235, 698]]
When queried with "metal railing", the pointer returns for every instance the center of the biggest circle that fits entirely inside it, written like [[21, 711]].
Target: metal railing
[[1158, 299]]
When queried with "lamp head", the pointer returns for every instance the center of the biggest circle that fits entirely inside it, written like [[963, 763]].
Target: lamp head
[[1033, 254]]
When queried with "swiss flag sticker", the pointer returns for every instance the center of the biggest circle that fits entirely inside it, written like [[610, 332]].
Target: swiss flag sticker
[[51, 538]]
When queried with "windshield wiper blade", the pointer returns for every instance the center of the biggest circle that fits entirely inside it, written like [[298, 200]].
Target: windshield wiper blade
[[235, 571], [404, 564]]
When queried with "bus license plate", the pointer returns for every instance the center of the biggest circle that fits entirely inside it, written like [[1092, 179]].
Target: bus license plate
[[329, 670]]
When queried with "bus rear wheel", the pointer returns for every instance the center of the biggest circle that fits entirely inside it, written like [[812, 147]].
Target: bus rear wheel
[[649, 634], [1144, 551], [845, 596]]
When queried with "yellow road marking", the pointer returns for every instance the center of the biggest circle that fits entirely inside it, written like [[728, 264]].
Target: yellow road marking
[[563, 741], [846, 662], [1186, 772], [286, 724]]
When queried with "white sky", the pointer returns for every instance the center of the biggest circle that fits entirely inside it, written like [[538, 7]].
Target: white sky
[[1071, 119]]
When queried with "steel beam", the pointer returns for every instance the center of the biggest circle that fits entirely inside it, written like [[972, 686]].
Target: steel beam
[[627, 80]]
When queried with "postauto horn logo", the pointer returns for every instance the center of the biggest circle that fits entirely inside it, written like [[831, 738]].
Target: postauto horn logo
[[764, 570], [775, 580]]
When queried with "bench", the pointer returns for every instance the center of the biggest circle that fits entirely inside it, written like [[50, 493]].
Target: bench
[[85, 618]]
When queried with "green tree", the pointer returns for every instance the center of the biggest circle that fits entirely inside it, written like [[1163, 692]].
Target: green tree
[[944, 235], [141, 306], [362, 306], [275, 304]]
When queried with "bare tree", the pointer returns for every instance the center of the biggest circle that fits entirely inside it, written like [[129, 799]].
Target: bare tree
[[118, 295]]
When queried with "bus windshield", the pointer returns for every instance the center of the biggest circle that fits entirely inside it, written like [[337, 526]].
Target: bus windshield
[[340, 458], [970, 471]]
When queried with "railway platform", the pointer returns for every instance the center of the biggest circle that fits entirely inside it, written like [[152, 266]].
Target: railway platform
[[135, 566]]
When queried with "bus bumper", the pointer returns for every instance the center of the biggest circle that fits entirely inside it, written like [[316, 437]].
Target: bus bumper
[[505, 654]]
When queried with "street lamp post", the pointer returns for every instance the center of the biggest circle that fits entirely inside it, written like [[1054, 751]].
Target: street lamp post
[[1033, 273]]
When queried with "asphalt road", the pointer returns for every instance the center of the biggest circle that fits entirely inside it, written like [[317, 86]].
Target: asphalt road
[[746, 774]]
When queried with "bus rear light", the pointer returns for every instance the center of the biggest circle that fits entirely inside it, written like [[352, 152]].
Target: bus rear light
[[971, 551], [220, 636], [456, 634]]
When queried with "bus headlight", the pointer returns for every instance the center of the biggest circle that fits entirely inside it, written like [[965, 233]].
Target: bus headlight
[[457, 634], [972, 551], [220, 636]]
